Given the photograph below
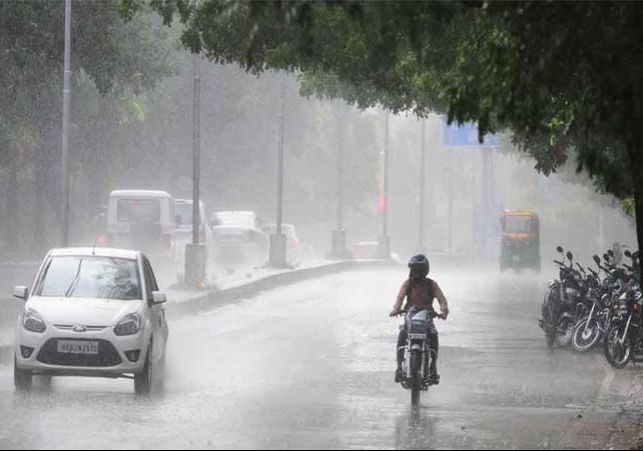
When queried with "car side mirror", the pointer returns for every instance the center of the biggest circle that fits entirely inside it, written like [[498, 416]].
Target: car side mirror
[[559, 249], [21, 292], [570, 256], [159, 298], [597, 259]]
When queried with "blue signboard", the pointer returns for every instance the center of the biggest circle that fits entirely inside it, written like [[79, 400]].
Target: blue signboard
[[465, 135]]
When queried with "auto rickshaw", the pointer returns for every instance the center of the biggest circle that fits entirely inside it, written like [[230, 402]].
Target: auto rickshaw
[[520, 247]]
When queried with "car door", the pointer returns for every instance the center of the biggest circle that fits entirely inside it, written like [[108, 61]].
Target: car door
[[157, 312]]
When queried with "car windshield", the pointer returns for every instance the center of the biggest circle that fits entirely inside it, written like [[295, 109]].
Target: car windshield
[[90, 277], [183, 214], [139, 210], [518, 224]]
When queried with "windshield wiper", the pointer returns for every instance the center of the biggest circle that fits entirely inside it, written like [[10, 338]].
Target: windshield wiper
[[74, 283]]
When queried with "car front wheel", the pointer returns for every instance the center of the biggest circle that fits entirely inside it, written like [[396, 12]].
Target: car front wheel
[[22, 379], [143, 380]]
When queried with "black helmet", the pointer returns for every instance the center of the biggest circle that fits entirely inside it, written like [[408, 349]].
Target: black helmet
[[419, 266]]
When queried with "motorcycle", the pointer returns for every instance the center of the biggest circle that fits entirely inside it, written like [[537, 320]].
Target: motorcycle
[[591, 329], [564, 303], [418, 353], [624, 340]]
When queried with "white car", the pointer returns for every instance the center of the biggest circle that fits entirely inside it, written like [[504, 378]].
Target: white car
[[239, 237], [92, 312]]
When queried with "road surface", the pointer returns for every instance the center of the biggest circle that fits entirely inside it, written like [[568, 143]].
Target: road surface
[[312, 365]]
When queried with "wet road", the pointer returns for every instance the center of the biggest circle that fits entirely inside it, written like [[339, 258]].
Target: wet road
[[311, 366]]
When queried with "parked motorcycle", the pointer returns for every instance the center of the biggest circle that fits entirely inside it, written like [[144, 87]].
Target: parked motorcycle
[[564, 303], [624, 341], [591, 329]]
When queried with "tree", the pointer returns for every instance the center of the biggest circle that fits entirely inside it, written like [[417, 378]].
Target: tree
[[110, 56], [562, 77]]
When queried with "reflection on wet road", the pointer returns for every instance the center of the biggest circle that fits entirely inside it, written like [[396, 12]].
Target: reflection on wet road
[[311, 366]]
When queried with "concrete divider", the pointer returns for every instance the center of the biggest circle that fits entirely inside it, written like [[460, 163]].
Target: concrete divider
[[216, 298]]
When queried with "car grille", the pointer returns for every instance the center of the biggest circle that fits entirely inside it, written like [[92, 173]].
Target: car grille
[[107, 356], [66, 327]]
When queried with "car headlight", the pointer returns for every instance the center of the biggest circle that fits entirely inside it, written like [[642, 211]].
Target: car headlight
[[33, 322], [130, 325]]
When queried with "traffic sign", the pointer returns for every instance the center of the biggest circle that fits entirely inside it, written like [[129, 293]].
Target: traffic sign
[[465, 135]]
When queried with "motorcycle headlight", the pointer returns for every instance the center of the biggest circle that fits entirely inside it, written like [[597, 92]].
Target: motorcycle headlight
[[33, 322], [130, 325]]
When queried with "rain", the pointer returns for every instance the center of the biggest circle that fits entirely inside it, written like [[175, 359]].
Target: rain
[[323, 198]]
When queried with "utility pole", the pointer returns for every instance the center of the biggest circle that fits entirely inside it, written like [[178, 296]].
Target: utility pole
[[65, 138], [339, 234], [421, 243], [278, 256], [196, 151], [385, 240], [450, 195], [195, 253]]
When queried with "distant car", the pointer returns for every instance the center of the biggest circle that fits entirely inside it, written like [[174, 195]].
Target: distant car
[[296, 251], [239, 236], [183, 217], [92, 312], [142, 220]]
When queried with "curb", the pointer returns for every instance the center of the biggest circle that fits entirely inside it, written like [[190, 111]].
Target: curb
[[217, 298]]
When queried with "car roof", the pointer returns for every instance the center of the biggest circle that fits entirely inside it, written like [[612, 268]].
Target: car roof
[[368, 243], [234, 214], [273, 225], [97, 252], [519, 213], [140, 193], [187, 201]]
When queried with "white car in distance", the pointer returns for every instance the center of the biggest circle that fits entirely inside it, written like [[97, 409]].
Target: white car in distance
[[93, 313]]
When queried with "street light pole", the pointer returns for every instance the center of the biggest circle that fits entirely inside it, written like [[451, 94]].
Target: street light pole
[[278, 241], [65, 132], [196, 151], [195, 253], [385, 242], [421, 243], [280, 175], [339, 234]]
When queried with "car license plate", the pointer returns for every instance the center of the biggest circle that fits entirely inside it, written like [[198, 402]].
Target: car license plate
[[417, 336], [78, 347]]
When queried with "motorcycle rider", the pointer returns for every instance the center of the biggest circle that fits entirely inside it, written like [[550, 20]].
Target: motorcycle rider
[[420, 292]]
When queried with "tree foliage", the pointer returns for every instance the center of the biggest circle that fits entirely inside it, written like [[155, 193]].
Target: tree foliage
[[562, 77]]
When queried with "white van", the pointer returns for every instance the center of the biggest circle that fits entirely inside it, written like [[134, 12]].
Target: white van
[[142, 220]]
